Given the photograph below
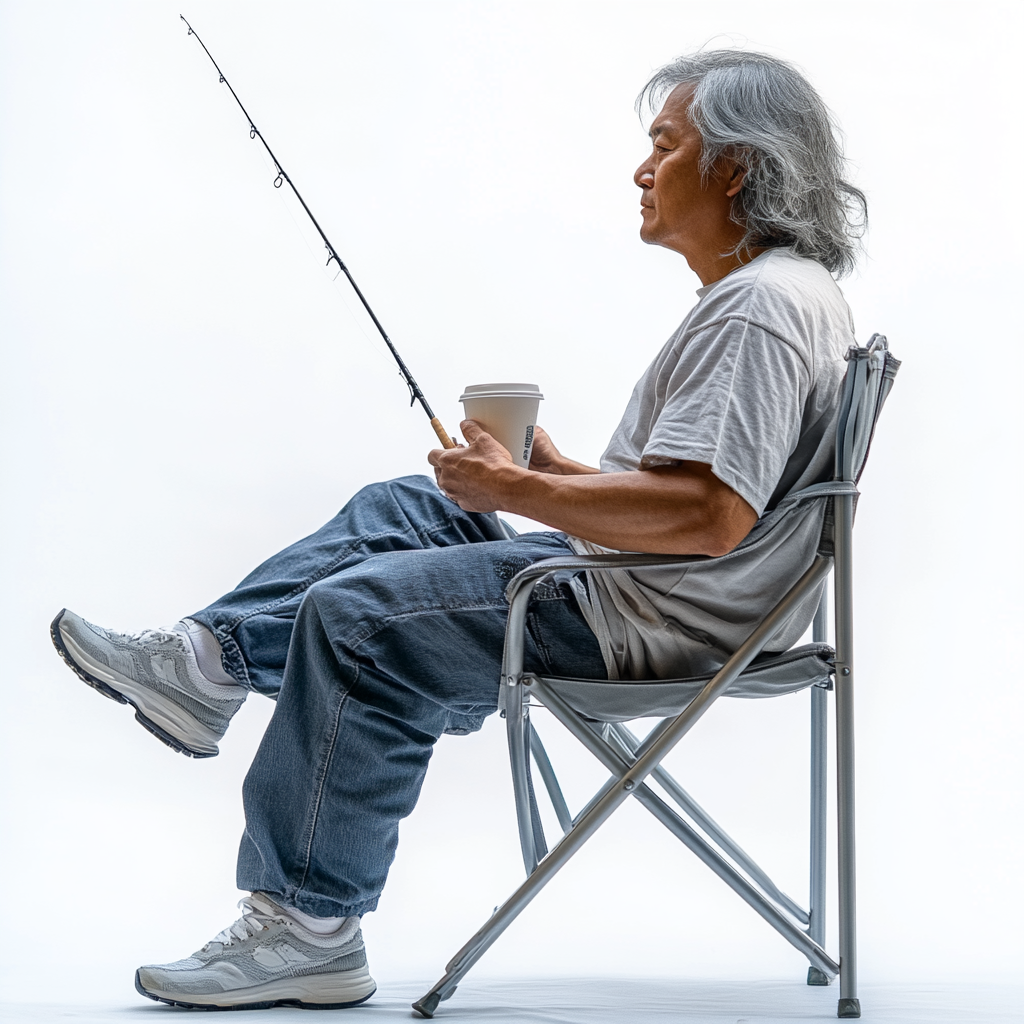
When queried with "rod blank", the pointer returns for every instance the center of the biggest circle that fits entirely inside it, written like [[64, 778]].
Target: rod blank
[[282, 175]]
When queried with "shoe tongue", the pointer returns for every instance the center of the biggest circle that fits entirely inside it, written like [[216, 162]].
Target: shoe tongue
[[263, 904], [257, 905]]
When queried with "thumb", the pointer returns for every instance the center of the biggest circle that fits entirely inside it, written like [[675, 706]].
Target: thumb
[[471, 430]]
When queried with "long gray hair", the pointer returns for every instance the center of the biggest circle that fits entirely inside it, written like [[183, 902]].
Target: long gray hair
[[761, 112]]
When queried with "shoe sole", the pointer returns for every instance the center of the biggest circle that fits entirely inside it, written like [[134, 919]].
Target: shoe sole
[[108, 691], [284, 993]]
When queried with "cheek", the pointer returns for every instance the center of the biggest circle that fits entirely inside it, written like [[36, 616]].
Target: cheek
[[680, 192], [668, 197]]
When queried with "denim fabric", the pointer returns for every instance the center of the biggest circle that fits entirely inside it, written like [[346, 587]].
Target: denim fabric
[[377, 634]]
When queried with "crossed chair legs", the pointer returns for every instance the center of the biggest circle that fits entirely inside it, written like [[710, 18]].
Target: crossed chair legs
[[630, 762]]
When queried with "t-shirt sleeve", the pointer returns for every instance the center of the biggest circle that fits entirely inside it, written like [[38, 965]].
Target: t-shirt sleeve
[[733, 400]]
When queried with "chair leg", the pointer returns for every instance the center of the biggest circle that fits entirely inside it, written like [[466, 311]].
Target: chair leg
[[618, 758], [517, 724], [819, 799], [627, 743], [540, 843], [547, 773], [819, 807], [611, 795], [849, 1004]]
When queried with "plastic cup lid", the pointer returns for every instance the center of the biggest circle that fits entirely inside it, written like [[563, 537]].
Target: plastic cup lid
[[501, 390]]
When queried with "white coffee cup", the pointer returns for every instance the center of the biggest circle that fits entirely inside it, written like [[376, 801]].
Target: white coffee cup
[[508, 412]]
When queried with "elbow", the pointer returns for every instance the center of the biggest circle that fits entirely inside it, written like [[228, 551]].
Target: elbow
[[712, 542], [727, 522], [716, 543], [718, 546], [722, 533]]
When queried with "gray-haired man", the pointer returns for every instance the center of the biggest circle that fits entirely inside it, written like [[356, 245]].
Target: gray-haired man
[[384, 629]]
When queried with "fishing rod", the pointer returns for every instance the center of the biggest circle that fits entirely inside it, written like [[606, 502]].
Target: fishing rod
[[282, 177]]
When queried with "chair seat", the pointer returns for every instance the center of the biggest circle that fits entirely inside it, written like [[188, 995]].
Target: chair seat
[[620, 700]]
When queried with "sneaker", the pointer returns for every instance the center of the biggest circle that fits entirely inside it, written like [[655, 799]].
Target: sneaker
[[156, 672], [266, 958]]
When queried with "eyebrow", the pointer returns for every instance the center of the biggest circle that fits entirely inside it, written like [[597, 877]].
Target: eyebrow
[[657, 129]]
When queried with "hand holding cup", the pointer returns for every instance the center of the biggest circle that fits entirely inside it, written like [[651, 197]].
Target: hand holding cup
[[474, 475]]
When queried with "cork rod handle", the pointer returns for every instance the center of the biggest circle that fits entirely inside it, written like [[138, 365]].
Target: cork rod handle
[[442, 434]]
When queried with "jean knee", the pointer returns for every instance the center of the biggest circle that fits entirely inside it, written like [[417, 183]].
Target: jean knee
[[400, 491], [351, 607], [326, 595]]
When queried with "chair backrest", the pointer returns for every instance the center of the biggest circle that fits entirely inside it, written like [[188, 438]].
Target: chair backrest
[[866, 386]]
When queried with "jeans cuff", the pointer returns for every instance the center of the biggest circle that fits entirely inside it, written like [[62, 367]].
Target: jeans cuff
[[320, 906], [230, 653]]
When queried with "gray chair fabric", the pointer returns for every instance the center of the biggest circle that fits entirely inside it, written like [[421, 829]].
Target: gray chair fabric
[[625, 700]]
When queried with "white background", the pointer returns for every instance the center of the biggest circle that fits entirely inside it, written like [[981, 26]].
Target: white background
[[184, 392]]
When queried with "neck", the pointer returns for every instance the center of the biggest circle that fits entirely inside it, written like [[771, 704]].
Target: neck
[[712, 266]]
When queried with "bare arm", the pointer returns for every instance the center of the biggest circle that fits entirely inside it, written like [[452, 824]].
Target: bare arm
[[684, 509]]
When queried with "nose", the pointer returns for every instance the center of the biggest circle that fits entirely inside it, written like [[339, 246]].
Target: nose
[[644, 176]]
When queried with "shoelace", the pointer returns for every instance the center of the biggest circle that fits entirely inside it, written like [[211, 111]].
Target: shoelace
[[257, 916], [158, 637]]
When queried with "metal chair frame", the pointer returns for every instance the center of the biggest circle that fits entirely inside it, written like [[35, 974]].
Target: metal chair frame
[[631, 761]]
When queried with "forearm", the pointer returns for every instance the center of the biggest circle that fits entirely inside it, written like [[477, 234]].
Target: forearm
[[666, 510], [681, 509]]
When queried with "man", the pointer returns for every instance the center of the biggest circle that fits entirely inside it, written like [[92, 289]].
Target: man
[[384, 629]]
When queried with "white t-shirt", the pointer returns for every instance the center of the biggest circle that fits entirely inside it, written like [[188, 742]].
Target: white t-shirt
[[749, 384]]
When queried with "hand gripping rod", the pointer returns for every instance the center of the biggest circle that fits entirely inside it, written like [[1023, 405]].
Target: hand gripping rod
[[282, 176]]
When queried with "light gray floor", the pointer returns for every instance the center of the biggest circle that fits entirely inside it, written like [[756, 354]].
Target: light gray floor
[[603, 1001]]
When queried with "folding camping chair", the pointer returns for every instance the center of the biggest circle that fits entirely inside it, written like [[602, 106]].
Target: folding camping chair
[[594, 711]]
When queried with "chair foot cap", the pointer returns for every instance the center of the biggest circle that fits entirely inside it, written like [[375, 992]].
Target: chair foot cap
[[426, 1006], [848, 1008], [817, 977]]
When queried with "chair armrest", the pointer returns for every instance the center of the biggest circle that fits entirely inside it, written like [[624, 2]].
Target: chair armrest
[[521, 587], [533, 574]]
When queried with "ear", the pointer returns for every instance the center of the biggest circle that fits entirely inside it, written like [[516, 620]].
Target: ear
[[736, 175]]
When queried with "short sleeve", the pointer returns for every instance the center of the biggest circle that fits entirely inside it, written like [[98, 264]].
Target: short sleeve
[[734, 400]]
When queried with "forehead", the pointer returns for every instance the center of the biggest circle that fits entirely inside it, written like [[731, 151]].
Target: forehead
[[673, 113]]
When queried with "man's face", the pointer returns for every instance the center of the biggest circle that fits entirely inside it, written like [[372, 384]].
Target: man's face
[[679, 211]]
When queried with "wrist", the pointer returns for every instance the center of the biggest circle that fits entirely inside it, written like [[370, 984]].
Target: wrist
[[532, 494], [509, 484]]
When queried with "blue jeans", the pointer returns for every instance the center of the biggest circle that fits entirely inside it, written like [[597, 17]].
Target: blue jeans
[[378, 633]]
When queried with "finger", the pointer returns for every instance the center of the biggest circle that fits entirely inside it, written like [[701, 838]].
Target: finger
[[471, 430], [434, 455]]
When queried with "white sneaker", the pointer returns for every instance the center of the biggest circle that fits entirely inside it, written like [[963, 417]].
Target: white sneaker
[[266, 958], [156, 672]]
